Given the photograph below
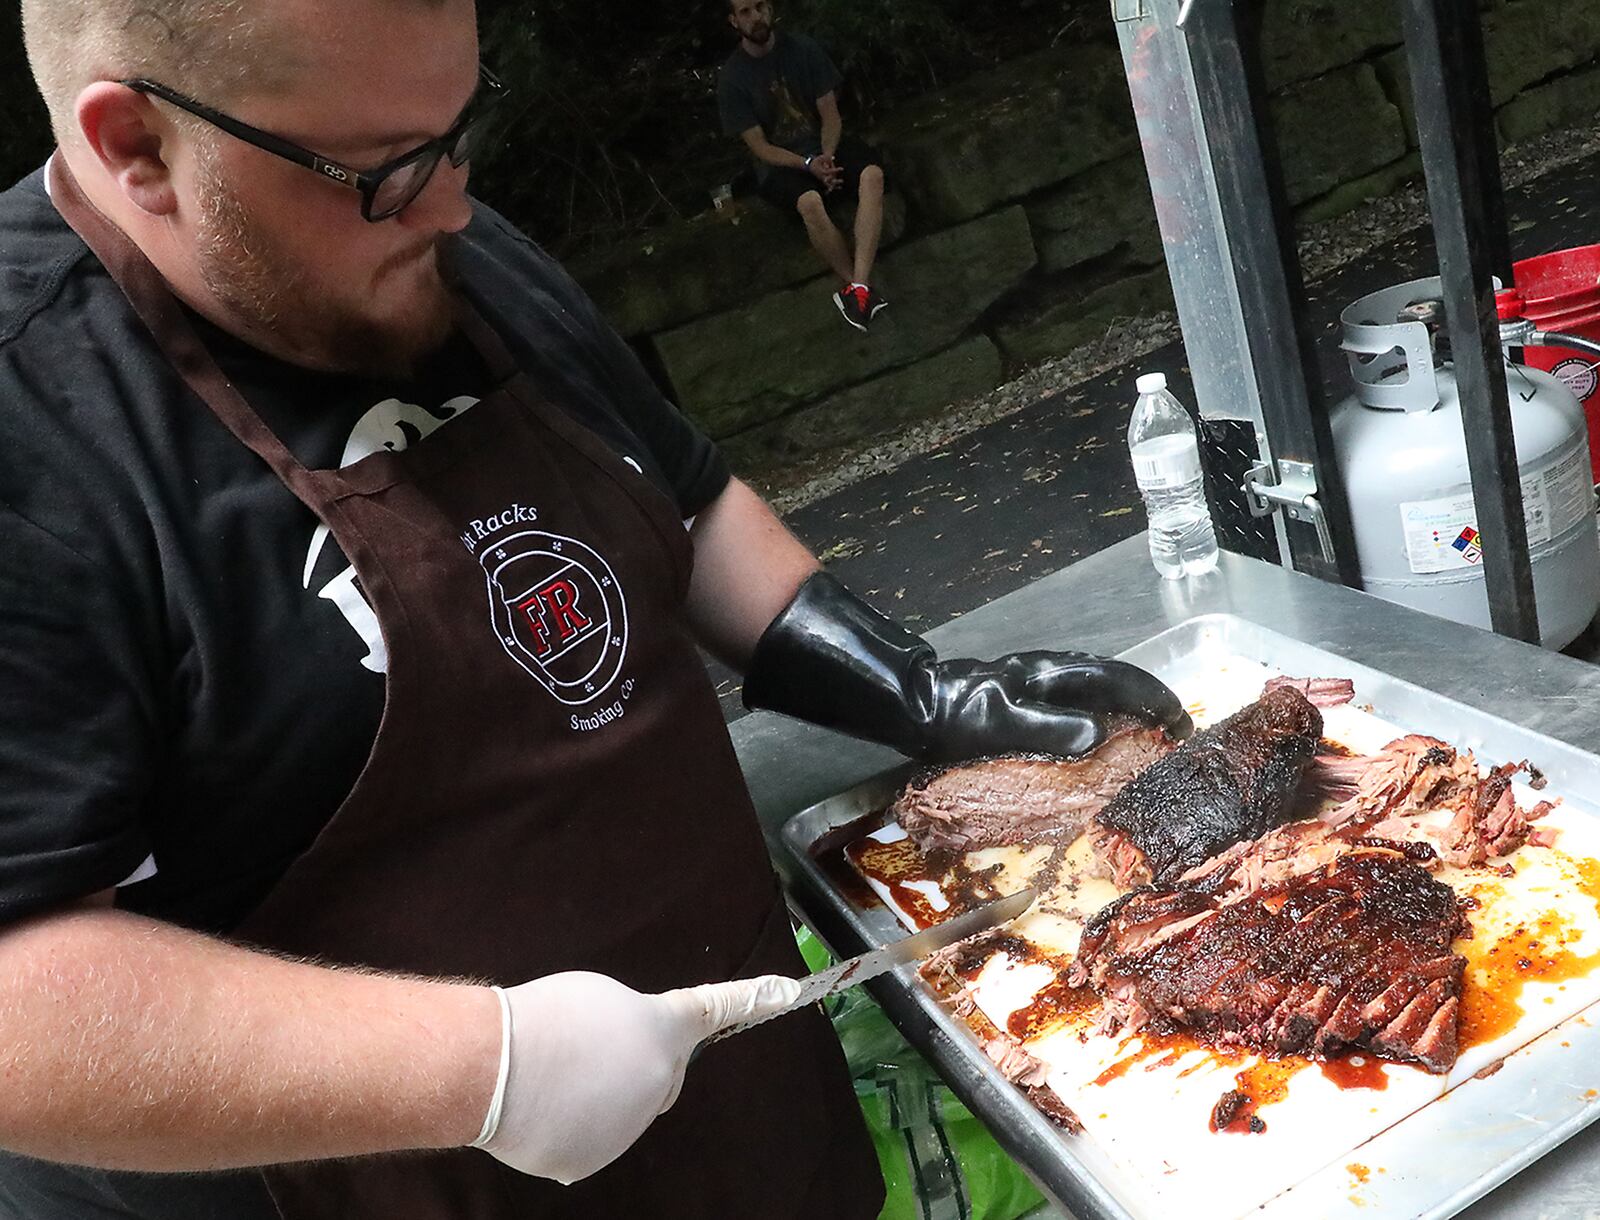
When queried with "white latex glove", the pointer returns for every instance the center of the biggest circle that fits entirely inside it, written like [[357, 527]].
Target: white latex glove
[[587, 1064]]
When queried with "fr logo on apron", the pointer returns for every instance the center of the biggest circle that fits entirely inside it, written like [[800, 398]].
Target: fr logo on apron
[[558, 611]]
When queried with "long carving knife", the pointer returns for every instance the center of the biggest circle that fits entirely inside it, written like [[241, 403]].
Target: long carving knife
[[913, 948]]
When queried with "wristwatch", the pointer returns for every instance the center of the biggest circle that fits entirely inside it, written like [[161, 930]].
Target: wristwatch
[[809, 160]]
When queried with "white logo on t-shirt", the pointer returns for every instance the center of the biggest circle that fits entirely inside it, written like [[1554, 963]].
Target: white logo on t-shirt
[[391, 425]]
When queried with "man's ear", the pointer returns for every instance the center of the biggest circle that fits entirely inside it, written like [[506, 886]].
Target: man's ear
[[130, 137]]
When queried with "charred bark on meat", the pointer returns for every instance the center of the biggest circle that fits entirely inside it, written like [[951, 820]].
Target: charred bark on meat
[[1354, 954], [1231, 782]]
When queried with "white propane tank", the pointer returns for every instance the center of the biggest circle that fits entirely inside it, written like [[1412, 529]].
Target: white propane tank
[[1403, 452]]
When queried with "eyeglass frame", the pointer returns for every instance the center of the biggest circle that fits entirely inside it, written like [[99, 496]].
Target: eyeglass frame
[[365, 181]]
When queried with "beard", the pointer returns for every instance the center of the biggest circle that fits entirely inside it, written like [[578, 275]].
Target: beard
[[268, 289]]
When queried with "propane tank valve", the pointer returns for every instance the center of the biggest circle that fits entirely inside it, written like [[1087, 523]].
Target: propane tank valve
[[1515, 330]]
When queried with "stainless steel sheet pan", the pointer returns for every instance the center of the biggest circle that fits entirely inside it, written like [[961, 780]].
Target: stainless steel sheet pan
[[1072, 1168]]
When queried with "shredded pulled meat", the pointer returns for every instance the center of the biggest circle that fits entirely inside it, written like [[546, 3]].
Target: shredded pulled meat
[[1414, 775], [948, 971]]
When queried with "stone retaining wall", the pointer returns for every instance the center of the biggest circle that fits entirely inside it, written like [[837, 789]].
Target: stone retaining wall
[[1020, 224]]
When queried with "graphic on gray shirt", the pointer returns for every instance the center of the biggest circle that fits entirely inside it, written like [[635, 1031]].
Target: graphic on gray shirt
[[778, 93]]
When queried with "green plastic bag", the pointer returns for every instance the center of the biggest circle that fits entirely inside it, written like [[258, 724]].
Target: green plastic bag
[[939, 1161]]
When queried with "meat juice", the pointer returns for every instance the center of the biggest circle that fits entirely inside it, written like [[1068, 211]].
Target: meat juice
[[897, 866], [1539, 949], [830, 854]]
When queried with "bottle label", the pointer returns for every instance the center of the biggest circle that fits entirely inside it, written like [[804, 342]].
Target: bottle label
[[1166, 462]]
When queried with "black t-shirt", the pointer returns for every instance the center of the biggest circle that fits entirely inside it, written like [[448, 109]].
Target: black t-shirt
[[778, 93], [190, 680]]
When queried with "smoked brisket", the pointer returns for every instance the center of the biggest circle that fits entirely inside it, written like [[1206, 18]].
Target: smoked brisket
[[1231, 782], [1354, 954], [1021, 799]]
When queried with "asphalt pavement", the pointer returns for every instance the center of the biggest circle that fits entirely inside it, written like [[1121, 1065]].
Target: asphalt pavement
[[1000, 507]]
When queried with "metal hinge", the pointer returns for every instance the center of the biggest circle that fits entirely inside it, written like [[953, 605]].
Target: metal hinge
[[1294, 491]]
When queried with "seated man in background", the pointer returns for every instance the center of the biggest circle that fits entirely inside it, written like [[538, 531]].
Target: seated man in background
[[777, 93]]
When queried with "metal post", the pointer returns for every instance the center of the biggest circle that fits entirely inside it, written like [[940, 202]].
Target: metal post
[[1472, 69], [1444, 49], [1223, 38]]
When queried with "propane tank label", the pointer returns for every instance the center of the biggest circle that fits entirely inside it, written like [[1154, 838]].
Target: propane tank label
[[1442, 535], [1558, 497]]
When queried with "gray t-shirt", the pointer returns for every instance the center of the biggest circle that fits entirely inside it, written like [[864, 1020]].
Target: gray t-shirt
[[778, 93]]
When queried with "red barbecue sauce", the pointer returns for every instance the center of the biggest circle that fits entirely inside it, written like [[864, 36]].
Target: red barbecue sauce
[[1261, 1084], [1538, 950], [1056, 1005], [1356, 1072], [830, 854], [895, 865]]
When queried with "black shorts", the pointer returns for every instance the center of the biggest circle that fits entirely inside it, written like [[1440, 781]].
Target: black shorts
[[783, 186]]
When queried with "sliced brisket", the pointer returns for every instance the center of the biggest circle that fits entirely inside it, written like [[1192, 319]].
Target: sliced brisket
[[1355, 953], [996, 801], [1229, 783]]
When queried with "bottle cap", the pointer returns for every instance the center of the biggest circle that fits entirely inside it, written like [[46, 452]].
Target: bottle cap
[[1151, 383]]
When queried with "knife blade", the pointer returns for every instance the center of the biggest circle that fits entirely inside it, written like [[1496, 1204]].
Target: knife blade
[[913, 948]]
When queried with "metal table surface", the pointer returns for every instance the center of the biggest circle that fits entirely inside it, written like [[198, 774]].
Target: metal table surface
[[1113, 600]]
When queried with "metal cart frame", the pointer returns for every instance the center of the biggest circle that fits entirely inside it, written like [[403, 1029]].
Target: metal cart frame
[[1194, 72]]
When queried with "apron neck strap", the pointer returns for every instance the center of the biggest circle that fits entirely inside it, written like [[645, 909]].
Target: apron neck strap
[[153, 301], [486, 340]]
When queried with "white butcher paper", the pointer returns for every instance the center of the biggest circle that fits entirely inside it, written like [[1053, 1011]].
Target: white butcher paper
[[1149, 1125]]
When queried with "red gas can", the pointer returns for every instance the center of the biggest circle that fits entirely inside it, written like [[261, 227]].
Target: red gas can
[[1561, 292]]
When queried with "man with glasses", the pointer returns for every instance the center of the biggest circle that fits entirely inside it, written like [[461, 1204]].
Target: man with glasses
[[361, 787]]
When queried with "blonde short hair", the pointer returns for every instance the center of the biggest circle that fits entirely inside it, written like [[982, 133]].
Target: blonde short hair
[[211, 48]]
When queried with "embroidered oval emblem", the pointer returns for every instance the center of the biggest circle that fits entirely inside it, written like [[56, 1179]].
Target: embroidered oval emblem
[[558, 611]]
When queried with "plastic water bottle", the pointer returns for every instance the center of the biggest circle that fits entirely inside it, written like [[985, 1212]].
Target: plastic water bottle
[[1166, 465]]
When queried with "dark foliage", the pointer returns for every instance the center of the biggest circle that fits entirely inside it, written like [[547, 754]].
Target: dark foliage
[[613, 126], [24, 125]]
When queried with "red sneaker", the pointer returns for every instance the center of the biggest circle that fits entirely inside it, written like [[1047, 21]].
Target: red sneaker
[[853, 303]]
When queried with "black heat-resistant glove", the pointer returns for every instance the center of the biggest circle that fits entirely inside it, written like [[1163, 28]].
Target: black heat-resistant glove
[[833, 660]]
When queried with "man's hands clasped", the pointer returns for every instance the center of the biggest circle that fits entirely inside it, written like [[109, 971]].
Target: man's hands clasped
[[825, 169]]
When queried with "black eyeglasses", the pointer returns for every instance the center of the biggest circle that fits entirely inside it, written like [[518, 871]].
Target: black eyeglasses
[[385, 191]]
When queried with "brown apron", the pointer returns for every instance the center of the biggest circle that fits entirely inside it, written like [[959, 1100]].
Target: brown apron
[[552, 788]]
